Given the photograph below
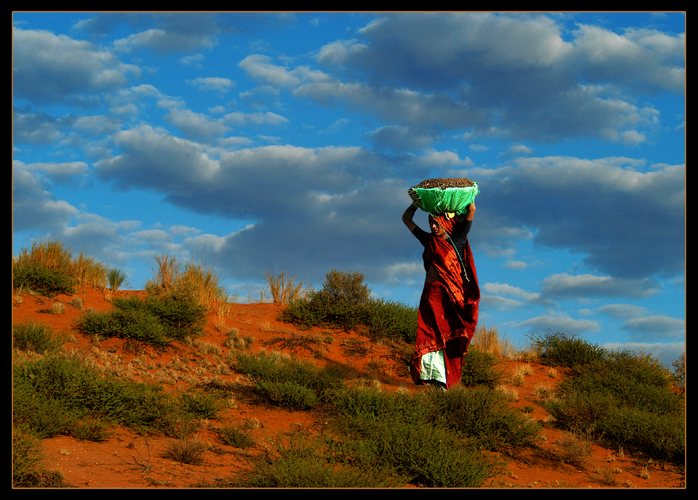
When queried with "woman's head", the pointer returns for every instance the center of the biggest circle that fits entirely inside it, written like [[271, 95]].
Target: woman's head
[[442, 223]]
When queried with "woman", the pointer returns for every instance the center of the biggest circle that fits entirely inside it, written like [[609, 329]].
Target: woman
[[448, 307]]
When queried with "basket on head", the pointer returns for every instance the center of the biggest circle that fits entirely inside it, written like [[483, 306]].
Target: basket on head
[[440, 195]]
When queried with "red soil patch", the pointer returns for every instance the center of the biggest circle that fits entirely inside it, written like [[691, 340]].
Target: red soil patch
[[130, 460]]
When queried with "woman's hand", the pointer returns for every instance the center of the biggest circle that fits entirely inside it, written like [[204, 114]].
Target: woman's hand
[[470, 214], [407, 216]]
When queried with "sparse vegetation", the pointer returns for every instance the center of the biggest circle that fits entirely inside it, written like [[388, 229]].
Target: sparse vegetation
[[27, 470], [115, 279], [156, 320], [479, 369], [186, 451], [235, 436], [49, 269], [344, 302], [284, 290], [369, 437], [617, 398], [195, 283], [34, 337]]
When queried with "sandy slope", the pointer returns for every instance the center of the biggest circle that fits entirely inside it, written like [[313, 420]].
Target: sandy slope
[[128, 460]]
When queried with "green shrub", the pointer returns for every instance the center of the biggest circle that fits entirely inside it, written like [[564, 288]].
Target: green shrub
[[235, 436], [561, 349], [303, 312], [53, 393], [42, 279], [156, 320], [287, 394], [484, 417], [186, 452], [34, 337], [130, 324], [181, 315], [201, 405], [90, 429], [479, 369], [624, 400], [399, 433], [391, 320], [366, 404], [411, 450], [301, 461], [345, 288], [341, 302], [285, 380], [344, 302], [27, 471]]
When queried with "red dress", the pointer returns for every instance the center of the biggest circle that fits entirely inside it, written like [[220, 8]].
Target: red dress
[[448, 307]]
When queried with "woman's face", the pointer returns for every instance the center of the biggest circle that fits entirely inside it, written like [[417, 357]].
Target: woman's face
[[436, 228]]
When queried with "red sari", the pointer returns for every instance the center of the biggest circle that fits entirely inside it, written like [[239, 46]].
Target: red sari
[[448, 307]]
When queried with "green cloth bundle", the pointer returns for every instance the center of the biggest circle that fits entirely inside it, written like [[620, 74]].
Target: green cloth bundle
[[441, 195]]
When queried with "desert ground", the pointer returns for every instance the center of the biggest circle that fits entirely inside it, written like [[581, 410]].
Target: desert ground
[[130, 460]]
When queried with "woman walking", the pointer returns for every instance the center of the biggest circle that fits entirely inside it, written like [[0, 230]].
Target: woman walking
[[448, 307]]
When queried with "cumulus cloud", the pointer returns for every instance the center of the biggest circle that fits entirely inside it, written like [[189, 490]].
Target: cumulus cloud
[[34, 208], [521, 72], [600, 209], [655, 327], [565, 285], [212, 83], [48, 67], [36, 128], [174, 33], [196, 125], [56, 172], [559, 323]]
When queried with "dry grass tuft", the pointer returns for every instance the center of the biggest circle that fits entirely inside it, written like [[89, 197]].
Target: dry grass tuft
[[284, 290]]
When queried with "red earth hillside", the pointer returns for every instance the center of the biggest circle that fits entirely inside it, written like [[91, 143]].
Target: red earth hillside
[[130, 460]]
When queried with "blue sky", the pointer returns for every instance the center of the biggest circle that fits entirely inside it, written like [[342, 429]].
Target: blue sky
[[262, 143]]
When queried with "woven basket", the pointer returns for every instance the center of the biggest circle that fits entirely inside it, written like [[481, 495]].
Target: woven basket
[[440, 195]]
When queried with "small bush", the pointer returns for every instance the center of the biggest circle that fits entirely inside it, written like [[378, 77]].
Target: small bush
[[624, 400], [391, 320], [483, 416], [41, 279], [341, 302], [129, 324], [115, 279], [34, 337], [398, 432], [90, 429], [344, 302], [560, 349], [186, 452], [287, 382], [479, 369], [573, 450], [181, 315], [287, 394], [200, 405], [235, 436], [52, 394], [27, 471], [299, 461], [156, 320]]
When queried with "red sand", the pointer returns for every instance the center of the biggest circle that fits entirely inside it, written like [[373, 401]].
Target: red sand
[[129, 460]]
